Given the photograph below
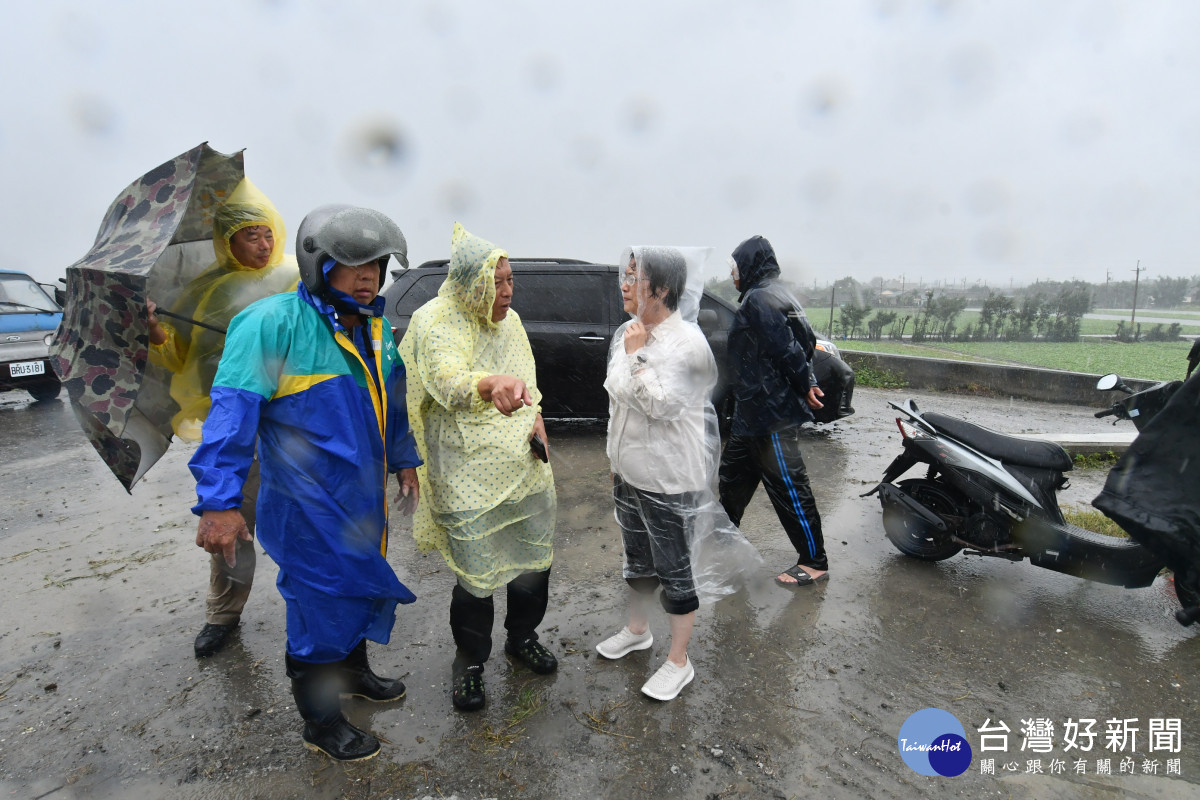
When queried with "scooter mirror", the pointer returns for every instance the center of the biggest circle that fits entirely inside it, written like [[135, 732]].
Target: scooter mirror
[[1108, 382]]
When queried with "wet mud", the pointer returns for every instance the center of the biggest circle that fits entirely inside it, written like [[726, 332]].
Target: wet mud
[[798, 692]]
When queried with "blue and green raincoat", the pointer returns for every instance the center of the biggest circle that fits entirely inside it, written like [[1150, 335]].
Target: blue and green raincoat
[[328, 434]]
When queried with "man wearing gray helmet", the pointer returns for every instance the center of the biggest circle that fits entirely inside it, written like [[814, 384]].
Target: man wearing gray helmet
[[314, 381]]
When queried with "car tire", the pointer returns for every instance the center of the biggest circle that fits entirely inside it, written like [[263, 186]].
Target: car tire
[[45, 391]]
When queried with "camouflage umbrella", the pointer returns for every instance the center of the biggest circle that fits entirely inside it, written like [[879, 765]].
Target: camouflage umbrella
[[154, 238]]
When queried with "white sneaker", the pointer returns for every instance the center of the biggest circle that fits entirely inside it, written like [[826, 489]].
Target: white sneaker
[[624, 642], [668, 682]]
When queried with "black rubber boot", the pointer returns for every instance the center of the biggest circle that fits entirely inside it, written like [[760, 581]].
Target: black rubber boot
[[359, 681], [315, 687]]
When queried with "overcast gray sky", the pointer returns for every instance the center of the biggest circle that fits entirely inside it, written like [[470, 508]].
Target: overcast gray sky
[[937, 139]]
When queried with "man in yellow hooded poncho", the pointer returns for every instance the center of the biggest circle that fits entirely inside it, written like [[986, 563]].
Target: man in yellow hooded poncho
[[248, 239], [489, 501]]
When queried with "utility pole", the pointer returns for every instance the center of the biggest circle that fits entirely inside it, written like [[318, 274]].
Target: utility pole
[[1107, 293], [832, 294], [1137, 273]]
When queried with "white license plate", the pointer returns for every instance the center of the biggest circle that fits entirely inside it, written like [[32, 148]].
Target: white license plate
[[20, 369]]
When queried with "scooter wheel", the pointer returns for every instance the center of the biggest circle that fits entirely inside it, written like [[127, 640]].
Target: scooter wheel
[[916, 537], [1186, 616]]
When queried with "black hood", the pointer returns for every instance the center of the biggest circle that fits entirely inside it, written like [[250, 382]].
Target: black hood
[[755, 259]]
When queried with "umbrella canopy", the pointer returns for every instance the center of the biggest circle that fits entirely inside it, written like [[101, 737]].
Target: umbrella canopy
[[154, 238]]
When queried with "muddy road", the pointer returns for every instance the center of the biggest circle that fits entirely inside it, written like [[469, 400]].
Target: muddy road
[[797, 692]]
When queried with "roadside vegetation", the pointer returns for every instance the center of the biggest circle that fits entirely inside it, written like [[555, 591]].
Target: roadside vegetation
[[1092, 520], [1154, 361], [1086, 461], [1043, 325], [867, 375]]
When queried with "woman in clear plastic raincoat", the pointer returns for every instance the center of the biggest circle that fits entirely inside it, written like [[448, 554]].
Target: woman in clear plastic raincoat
[[489, 503], [248, 238], [664, 446]]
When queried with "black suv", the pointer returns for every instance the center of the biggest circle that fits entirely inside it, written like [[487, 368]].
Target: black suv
[[570, 309]]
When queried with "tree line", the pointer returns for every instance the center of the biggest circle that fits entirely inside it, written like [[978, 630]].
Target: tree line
[[1054, 318], [1050, 311]]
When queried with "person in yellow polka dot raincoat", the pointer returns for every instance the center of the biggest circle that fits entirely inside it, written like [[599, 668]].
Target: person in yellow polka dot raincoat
[[489, 503]]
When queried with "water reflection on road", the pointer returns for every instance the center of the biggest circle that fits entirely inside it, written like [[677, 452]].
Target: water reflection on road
[[795, 689]]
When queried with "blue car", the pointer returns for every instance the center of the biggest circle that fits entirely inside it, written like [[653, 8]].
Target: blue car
[[28, 320]]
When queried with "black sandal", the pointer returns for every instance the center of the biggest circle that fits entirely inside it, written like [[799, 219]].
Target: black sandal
[[802, 577], [468, 688], [531, 653]]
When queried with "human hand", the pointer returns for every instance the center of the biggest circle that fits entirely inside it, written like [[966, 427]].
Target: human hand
[[635, 336], [157, 334], [813, 394], [410, 490], [505, 392], [219, 531]]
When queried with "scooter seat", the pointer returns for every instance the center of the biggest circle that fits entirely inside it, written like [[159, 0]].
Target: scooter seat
[[1009, 449]]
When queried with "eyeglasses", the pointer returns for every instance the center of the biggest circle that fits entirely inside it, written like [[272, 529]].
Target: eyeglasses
[[630, 279]]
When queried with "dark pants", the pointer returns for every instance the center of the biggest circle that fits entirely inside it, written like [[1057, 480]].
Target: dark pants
[[775, 461], [655, 529], [471, 617]]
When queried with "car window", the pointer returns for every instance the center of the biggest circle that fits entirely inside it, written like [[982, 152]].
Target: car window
[[422, 290], [562, 297], [19, 294]]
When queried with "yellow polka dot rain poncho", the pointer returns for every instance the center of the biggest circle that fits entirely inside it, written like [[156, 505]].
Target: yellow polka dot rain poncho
[[487, 504], [215, 297]]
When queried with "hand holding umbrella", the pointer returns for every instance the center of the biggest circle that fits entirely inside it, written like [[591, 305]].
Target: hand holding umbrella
[[157, 334]]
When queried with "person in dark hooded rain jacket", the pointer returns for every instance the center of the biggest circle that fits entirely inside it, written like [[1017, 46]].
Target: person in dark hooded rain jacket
[[314, 380], [770, 351]]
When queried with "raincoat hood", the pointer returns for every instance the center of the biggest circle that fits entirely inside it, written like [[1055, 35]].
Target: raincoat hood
[[686, 263], [755, 259], [471, 279], [245, 207]]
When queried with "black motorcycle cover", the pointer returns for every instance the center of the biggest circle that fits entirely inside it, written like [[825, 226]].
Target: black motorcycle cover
[[1153, 492]]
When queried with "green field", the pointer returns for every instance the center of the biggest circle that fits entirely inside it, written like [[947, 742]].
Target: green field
[[1158, 361], [1173, 313]]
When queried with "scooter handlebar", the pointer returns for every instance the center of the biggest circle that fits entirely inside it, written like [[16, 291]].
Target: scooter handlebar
[[1106, 412]]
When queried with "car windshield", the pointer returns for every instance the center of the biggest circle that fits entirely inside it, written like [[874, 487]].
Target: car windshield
[[20, 295]]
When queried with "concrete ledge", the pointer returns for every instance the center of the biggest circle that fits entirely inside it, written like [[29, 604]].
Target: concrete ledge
[[998, 380], [1089, 443]]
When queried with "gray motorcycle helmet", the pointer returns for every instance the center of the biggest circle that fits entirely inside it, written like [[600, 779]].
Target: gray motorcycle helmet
[[349, 235]]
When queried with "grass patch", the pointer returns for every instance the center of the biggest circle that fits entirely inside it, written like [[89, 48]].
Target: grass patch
[[1095, 460], [529, 702], [865, 375], [1173, 313], [1156, 361], [927, 350], [602, 720], [1093, 521], [489, 739]]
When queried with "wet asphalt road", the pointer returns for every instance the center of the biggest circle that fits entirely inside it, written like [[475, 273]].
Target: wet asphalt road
[[797, 693]]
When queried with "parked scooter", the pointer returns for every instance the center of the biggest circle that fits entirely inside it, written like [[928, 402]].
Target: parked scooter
[[995, 495]]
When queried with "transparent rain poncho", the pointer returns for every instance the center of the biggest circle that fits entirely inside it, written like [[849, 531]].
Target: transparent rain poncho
[[214, 297], [487, 504], [663, 438]]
